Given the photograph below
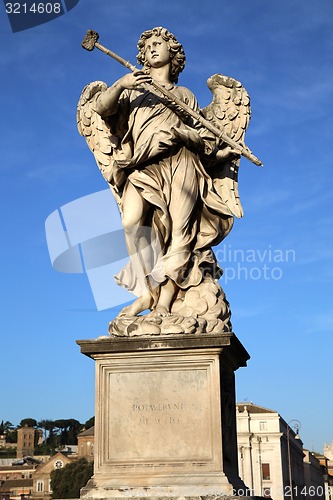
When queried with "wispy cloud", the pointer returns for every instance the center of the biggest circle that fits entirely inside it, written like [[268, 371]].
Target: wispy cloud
[[251, 312], [321, 323], [265, 199]]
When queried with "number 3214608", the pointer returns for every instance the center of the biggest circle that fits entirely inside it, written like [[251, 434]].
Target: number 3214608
[[35, 8]]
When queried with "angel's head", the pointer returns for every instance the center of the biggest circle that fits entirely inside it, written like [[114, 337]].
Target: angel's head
[[176, 51]]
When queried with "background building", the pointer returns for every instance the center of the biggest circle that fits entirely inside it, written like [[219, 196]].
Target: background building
[[326, 465], [25, 441], [85, 442], [41, 488], [16, 480], [313, 476], [270, 454], [328, 453]]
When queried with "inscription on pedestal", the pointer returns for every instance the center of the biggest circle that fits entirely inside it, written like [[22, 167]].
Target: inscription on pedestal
[[160, 407], [145, 424]]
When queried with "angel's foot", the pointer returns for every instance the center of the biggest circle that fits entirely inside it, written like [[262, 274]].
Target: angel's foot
[[140, 304], [167, 293], [161, 311]]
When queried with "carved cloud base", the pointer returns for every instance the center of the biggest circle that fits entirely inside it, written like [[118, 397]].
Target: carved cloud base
[[165, 422], [200, 309]]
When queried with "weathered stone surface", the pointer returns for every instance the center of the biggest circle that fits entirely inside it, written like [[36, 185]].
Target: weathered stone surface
[[202, 309], [161, 412]]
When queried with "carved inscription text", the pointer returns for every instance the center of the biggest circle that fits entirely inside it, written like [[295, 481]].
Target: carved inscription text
[[167, 409]]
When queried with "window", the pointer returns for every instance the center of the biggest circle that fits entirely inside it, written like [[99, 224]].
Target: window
[[40, 485], [263, 425], [265, 470], [266, 492]]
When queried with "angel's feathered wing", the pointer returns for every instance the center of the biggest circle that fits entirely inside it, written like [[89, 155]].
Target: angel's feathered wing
[[230, 111], [101, 141]]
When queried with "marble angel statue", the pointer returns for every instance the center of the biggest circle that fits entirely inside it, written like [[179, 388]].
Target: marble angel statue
[[175, 183]]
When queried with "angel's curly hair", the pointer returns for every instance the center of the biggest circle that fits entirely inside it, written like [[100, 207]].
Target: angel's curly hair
[[176, 50]]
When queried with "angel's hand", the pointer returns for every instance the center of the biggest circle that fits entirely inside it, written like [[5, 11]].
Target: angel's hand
[[227, 153], [134, 80], [107, 102], [188, 136]]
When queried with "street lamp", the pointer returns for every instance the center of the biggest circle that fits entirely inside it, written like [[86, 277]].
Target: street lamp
[[296, 426]]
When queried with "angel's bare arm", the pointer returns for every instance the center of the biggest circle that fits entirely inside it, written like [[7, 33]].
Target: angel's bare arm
[[107, 102]]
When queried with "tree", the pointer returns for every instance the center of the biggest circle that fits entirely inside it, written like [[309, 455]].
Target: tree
[[7, 453], [44, 449], [58, 433], [90, 423], [68, 430], [11, 436], [48, 427], [5, 427], [67, 482], [30, 422], [73, 429]]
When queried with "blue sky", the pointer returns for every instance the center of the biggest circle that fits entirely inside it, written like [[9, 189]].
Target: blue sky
[[282, 52]]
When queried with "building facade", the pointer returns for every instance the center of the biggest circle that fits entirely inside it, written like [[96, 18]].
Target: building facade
[[41, 487], [25, 441], [270, 454], [313, 476], [326, 462], [85, 444], [328, 453], [16, 481]]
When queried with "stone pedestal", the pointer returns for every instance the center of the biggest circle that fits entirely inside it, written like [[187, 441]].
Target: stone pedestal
[[165, 422]]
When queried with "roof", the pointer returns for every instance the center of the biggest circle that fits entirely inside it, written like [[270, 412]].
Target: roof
[[15, 483], [26, 460], [88, 432], [318, 455], [252, 408], [7, 461], [46, 466], [17, 467]]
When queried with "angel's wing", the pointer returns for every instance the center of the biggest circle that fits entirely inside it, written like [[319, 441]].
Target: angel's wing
[[102, 143], [230, 111]]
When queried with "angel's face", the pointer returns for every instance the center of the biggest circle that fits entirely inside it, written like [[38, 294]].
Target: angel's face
[[157, 52]]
